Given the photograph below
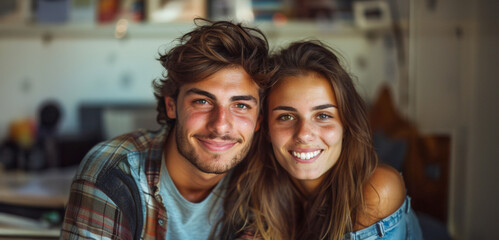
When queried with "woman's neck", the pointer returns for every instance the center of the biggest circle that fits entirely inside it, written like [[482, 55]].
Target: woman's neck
[[308, 186]]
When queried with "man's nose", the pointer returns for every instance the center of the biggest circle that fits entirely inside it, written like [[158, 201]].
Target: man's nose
[[220, 121]]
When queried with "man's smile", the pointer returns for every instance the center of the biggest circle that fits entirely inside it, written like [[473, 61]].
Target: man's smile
[[217, 145]]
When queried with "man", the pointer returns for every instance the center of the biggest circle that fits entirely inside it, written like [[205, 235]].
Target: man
[[169, 184]]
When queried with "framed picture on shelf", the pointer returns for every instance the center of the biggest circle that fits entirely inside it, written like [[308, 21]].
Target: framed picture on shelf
[[175, 10], [110, 11]]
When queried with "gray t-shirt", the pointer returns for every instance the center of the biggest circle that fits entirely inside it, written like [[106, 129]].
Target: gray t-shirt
[[187, 220]]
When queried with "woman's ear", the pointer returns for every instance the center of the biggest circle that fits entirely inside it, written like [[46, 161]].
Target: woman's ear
[[170, 108]]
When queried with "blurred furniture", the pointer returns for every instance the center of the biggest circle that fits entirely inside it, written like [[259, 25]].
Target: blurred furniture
[[108, 120], [422, 159], [32, 204]]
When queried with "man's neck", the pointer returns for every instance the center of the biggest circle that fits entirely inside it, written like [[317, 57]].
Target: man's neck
[[193, 184]]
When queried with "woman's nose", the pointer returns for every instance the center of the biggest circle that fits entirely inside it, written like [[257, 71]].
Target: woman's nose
[[305, 132]]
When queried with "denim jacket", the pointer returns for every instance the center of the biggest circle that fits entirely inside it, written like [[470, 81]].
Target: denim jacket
[[402, 224]]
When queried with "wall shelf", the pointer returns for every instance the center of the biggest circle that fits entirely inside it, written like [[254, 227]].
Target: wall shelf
[[172, 29]]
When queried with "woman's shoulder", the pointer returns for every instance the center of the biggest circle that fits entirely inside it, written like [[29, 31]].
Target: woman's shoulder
[[384, 193]]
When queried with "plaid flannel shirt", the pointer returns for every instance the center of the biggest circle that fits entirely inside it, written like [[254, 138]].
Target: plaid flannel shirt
[[115, 193]]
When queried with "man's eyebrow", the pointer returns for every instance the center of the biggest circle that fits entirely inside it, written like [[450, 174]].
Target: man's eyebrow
[[285, 108], [213, 97], [244, 98], [324, 106], [200, 92]]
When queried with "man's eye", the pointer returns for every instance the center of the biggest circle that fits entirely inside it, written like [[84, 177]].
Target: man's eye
[[242, 106], [200, 101], [285, 117]]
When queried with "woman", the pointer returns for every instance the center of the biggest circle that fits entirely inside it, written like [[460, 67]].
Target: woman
[[318, 178]]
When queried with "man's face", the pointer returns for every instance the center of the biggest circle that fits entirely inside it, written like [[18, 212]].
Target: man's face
[[216, 119]]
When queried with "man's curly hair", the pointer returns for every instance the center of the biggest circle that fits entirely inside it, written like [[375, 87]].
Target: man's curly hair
[[210, 47]]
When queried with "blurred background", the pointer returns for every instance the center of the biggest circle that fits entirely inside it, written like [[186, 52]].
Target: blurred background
[[76, 72]]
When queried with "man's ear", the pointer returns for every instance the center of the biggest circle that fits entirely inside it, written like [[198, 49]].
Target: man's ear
[[170, 108], [258, 122]]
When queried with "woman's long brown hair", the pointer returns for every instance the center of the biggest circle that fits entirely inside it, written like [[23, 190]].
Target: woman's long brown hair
[[262, 199]]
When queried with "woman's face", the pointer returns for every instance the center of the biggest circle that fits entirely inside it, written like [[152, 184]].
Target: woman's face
[[305, 127]]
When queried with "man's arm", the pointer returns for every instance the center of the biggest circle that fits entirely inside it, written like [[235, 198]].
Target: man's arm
[[91, 214], [104, 201]]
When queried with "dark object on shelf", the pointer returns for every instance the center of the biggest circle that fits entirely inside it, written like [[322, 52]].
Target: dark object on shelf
[[52, 11], [45, 150], [9, 153]]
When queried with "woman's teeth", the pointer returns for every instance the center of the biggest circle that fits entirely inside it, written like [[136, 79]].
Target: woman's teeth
[[307, 155]]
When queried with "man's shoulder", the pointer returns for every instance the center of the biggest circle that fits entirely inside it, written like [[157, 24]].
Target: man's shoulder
[[106, 196], [136, 141], [114, 152]]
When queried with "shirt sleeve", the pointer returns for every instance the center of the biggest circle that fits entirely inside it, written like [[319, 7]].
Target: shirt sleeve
[[91, 214]]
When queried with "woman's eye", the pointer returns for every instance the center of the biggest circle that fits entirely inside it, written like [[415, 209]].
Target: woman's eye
[[285, 118], [324, 116]]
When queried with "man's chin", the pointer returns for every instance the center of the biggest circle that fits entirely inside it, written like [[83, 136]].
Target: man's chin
[[214, 169], [217, 165]]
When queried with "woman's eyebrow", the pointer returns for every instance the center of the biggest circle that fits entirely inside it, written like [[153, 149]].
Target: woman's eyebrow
[[320, 107], [285, 108], [324, 106]]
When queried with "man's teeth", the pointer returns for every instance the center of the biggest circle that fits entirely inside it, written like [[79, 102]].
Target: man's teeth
[[307, 155]]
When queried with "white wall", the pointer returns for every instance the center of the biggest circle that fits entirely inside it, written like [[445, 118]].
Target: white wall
[[434, 62], [435, 88], [81, 64], [482, 190], [455, 90], [72, 71]]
